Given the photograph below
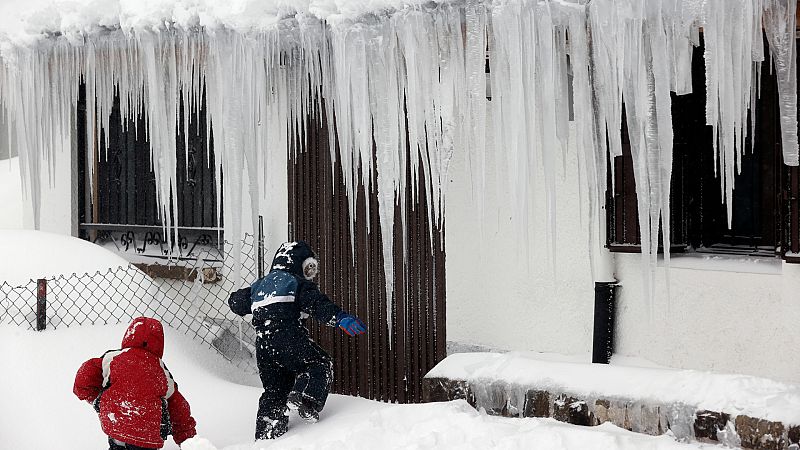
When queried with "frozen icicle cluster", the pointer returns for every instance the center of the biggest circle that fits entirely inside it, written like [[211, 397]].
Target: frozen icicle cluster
[[529, 53], [254, 89], [398, 82], [407, 89], [642, 51]]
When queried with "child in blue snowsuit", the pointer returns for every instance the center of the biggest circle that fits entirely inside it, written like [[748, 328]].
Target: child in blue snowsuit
[[294, 370]]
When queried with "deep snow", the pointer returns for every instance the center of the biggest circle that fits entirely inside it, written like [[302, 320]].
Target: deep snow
[[39, 410]]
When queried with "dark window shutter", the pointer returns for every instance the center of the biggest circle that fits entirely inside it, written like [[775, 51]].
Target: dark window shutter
[[791, 202], [621, 200], [792, 224], [622, 209]]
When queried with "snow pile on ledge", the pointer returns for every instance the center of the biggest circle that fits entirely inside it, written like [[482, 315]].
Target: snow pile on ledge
[[733, 394]]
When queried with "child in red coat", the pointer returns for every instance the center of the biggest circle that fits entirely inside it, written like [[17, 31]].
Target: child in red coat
[[138, 401]]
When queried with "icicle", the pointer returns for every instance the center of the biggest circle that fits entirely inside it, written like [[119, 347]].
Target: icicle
[[729, 68], [475, 114], [386, 104], [779, 24]]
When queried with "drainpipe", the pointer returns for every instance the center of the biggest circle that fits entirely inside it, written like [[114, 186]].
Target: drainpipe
[[603, 267], [605, 288]]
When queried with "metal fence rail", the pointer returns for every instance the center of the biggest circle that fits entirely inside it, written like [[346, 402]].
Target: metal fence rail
[[195, 305]]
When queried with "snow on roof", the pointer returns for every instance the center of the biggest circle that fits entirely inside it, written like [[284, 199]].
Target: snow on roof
[[25, 21]]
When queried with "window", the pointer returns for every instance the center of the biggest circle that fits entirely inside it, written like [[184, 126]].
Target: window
[[121, 210], [765, 205]]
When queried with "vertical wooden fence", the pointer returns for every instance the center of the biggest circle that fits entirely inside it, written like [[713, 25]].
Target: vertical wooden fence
[[387, 363]]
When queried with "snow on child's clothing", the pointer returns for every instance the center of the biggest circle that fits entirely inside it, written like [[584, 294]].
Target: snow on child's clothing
[[289, 362], [133, 391]]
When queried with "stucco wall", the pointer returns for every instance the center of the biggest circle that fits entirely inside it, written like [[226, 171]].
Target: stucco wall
[[499, 294], [738, 315], [740, 318]]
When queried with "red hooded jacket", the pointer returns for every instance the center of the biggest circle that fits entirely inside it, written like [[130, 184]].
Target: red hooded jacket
[[132, 385]]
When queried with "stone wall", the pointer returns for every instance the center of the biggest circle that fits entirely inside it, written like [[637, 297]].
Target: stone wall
[[685, 422]]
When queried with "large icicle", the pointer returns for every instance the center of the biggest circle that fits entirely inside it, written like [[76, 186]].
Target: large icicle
[[779, 25]]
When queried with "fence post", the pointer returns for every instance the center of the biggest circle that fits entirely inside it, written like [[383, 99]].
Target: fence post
[[41, 304], [260, 260]]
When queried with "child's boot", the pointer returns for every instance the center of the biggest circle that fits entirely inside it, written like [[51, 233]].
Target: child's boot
[[268, 428], [304, 406]]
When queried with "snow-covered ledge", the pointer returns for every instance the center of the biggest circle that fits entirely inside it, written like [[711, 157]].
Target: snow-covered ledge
[[767, 265], [737, 410]]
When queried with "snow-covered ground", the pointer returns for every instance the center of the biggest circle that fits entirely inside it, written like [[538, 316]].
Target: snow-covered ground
[[39, 410]]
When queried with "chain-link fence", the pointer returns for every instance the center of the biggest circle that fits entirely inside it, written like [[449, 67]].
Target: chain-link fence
[[194, 302]]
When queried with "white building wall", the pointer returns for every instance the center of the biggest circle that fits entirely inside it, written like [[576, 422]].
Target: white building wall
[[742, 317], [737, 315], [10, 183], [500, 295]]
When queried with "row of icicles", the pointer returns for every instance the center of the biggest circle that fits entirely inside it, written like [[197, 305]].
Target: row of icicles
[[417, 77]]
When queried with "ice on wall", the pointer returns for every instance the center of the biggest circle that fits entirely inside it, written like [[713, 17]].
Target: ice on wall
[[407, 89]]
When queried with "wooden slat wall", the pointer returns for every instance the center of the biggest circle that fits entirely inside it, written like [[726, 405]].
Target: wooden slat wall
[[368, 366]]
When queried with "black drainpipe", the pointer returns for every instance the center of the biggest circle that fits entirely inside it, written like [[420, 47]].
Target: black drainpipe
[[604, 291], [604, 305]]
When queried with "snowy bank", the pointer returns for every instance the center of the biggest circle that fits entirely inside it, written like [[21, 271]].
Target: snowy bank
[[36, 254], [37, 395]]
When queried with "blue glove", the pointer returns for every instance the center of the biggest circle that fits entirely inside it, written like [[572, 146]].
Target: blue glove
[[351, 324]]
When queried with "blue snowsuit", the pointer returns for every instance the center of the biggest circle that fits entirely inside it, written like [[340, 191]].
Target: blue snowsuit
[[288, 360]]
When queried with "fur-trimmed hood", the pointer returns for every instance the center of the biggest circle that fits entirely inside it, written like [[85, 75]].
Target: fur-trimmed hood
[[290, 257]]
